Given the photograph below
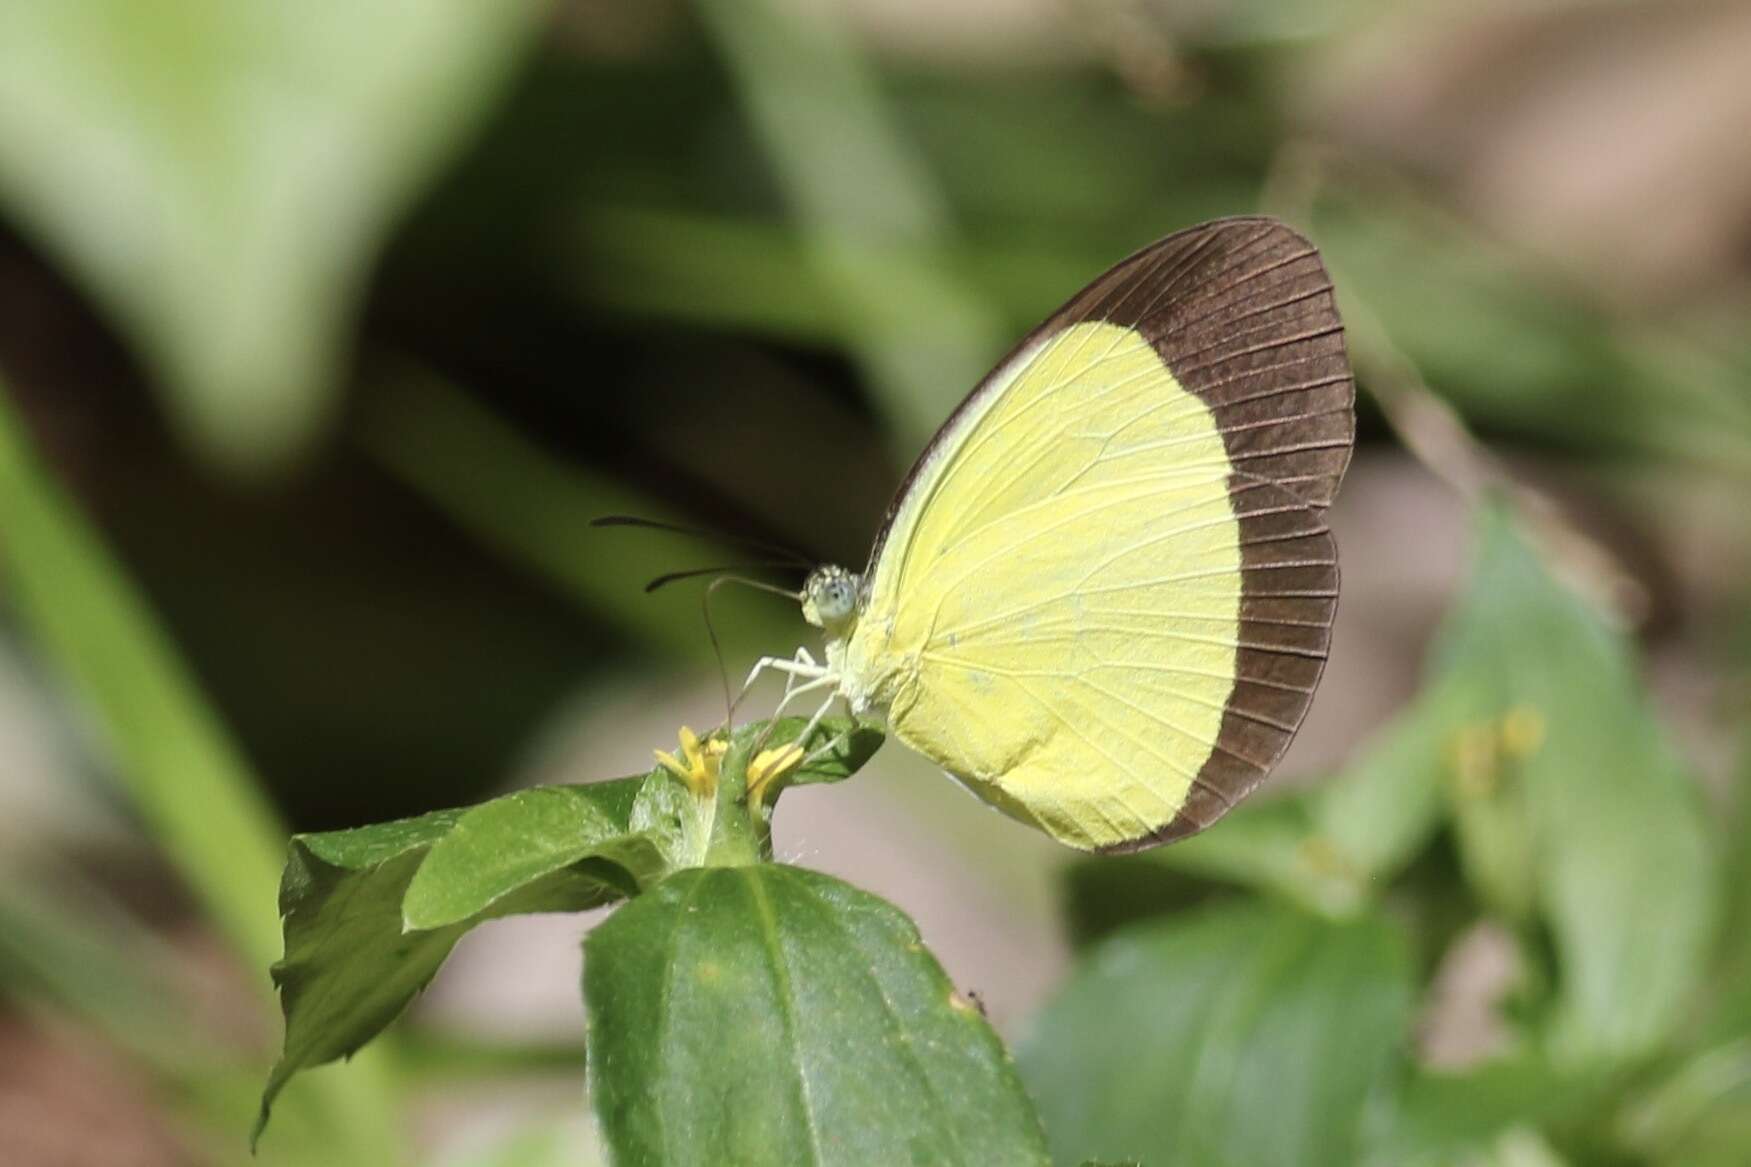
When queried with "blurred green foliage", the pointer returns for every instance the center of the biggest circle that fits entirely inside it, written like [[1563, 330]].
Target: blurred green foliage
[[218, 176], [1533, 755], [415, 290]]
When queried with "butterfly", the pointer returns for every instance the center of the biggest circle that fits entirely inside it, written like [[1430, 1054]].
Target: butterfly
[[1103, 596]]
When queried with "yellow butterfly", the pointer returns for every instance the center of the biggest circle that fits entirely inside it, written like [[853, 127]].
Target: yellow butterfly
[[1103, 596]]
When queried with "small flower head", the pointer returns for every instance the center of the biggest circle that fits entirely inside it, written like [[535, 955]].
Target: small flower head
[[768, 766], [1522, 731], [698, 764]]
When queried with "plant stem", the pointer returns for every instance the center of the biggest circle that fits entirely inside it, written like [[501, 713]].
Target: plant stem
[[741, 834]]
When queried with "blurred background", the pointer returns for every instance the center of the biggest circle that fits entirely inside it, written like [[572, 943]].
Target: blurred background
[[326, 328]]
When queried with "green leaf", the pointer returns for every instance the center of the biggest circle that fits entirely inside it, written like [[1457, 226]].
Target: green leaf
[[1581, 811], [1700, 1116], [351, 967], [1438, 1118], [768, 1014], [1235, 1034], [852, 743], [1730, 1014], [502, 846], [1570, 808], [1273, 846], [1381, 812], [218, 174], [1518, 1147], [370, 914]]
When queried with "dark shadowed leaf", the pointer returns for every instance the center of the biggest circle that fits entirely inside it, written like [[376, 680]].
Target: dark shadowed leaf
[[1237, 1034], [768, 1014]]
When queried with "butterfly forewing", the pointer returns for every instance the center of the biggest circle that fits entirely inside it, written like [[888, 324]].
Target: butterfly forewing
[[1242, 312], [1104, 594]]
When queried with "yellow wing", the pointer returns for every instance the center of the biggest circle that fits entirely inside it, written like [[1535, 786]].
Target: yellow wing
[[1085, 605]]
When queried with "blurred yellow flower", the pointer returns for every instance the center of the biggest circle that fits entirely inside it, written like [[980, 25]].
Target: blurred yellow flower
[[698, 764], [769, 765]]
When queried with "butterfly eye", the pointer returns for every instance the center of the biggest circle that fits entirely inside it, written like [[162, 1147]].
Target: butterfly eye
[[832, 595]]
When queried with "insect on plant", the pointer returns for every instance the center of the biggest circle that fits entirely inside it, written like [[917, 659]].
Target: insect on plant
[[1101, 600]]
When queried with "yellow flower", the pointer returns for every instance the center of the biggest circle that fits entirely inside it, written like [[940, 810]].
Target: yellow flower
[[698, 764], [1522, 731], [768, 766]]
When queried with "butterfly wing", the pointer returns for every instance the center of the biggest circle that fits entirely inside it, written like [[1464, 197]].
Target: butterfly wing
[[1104, 595]]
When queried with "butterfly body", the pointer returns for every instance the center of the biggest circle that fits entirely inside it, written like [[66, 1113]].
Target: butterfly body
[[1103, 596]]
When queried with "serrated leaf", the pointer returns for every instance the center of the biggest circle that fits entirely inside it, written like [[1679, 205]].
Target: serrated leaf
[[218, 173], [350, 967], [768, 1014], [1236, 1034]]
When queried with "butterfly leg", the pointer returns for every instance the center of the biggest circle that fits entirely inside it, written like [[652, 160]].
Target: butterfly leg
[[837, 740], [800, 666], [803, 657], [815, 721], [791, 691], [809, 686], [825, 748]]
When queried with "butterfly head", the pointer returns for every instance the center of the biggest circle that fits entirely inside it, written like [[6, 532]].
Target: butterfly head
[[830, 598]]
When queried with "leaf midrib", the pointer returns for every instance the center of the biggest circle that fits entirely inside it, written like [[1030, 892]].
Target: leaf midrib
[[751, 878]]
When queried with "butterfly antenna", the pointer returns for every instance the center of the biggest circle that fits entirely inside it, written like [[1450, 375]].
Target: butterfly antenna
[[670, 577], [723, 671], [791, 556], [785, 557]]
